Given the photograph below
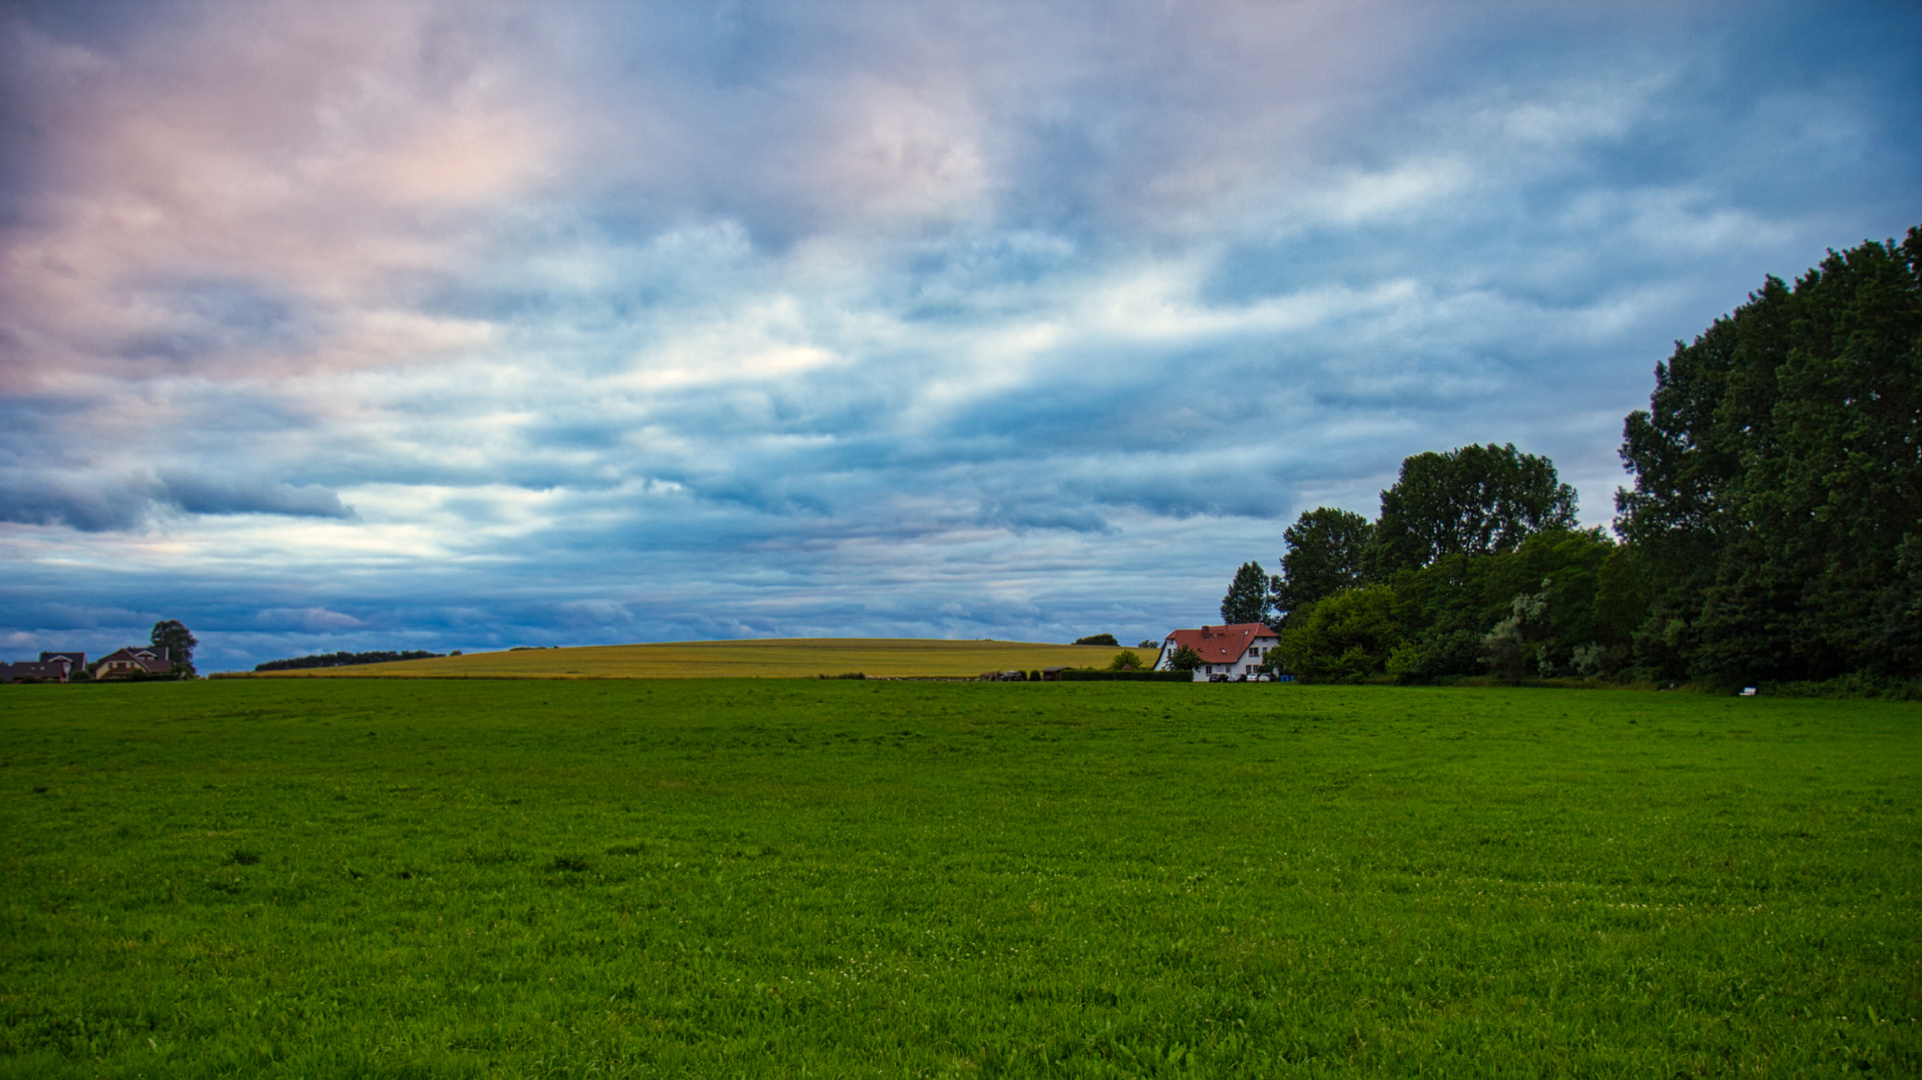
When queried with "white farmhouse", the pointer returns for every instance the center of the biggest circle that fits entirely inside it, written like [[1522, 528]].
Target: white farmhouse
[[1234, 651]]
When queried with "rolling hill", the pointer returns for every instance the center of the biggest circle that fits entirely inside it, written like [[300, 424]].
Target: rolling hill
[[766, 658]]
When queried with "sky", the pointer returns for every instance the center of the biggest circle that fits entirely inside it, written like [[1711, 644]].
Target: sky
[[421, 324]]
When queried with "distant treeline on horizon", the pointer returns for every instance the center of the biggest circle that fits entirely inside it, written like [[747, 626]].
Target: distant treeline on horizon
[[345, 659]]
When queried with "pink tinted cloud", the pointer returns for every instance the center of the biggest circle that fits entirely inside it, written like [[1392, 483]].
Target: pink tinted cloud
[[337, 162], [322, 158]]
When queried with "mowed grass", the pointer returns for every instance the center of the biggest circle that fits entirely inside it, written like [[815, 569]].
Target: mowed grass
[[786, 658], [773, 879]]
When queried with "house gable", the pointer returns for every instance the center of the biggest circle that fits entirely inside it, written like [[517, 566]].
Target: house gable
[[135, 660]]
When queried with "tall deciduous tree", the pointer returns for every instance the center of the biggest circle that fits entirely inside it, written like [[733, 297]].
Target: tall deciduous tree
[[1327, 550], [171, 635], [1475, 500], [1778, 480], [1247, 599]]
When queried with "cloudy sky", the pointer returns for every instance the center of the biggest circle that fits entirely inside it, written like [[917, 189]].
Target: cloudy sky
[[424, 324]]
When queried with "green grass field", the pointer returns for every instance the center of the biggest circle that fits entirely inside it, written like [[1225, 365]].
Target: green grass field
[[781, 658], [802, 878]]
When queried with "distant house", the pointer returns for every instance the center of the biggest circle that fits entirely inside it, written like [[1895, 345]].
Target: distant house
[[1234, 651], [133, 662], [42, 670]]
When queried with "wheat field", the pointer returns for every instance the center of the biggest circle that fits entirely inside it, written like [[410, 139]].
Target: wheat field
[[768, 658]]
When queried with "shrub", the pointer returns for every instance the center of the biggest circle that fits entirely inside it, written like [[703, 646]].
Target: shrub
[[1344, 637]]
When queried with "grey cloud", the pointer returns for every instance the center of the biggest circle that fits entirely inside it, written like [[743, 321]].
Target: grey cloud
[[223, 495], [98, 502], [44, 608], [311, 620], [1042, 513], [83, 502]]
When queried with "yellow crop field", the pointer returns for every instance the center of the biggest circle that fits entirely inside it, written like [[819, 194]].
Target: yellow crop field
[[783, 658]]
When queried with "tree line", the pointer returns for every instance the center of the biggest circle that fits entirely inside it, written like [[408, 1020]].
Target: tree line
[[345, 659], [1772, 531]]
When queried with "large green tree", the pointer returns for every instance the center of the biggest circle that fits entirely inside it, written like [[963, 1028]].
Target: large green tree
[[1327, 550], [1474, 500], [1247, 599], [173, 636], [1778, 480]]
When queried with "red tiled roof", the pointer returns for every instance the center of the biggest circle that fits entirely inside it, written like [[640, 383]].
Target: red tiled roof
[[1218, 644]]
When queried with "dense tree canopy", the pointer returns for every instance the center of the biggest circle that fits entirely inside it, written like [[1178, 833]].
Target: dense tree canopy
[[1344, 636], [1498, 525], [1475, 500], [1778, 480], [1460, 616], [1773, 532], [1327, 552]]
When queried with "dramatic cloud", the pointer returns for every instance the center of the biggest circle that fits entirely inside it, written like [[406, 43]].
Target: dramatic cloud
[[422, 324]]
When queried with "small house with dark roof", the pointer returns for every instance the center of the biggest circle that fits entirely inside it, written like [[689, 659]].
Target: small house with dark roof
[[133, 662], [35, 671], [1235, 651]]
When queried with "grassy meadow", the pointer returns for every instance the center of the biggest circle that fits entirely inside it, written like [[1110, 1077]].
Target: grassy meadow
[[779, 658], [767, 878]]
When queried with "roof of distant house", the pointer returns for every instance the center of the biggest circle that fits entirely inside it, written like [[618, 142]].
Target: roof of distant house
[[1219, 644], [34, 669], [147, 658]]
